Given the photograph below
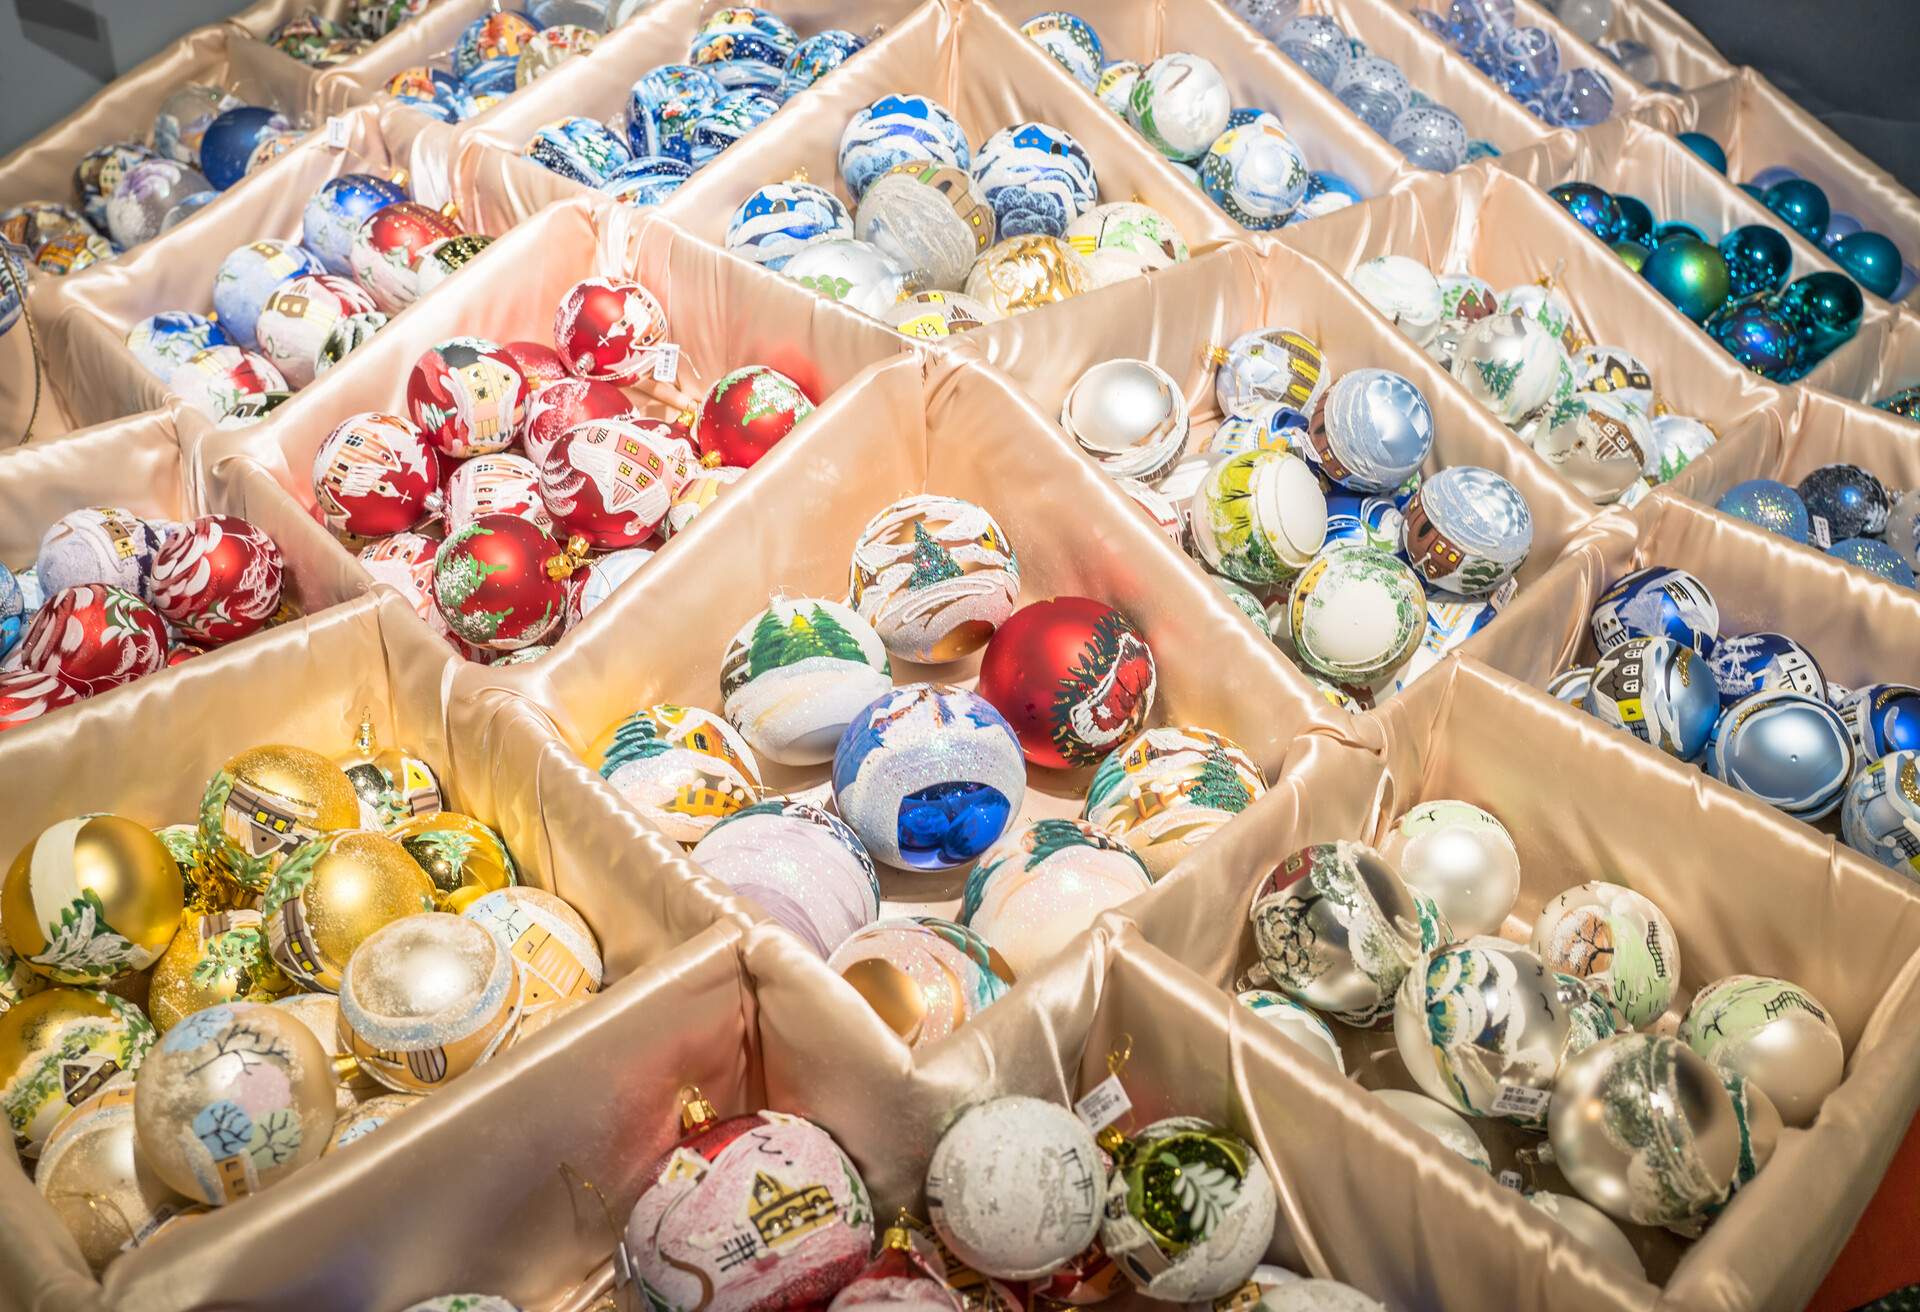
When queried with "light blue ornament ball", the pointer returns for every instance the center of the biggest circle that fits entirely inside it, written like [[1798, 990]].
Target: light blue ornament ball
[[1256, 173], [1872, 259], [1881, 815], [187, 208], [1372, 431], [648, 180], [1657, 602], [1071, 40], [817, 56], [1468, 530], [1326, 193], [929, 777], [13, 611], [780, 218], [1036, 179], [1874, 556], [337, 209], [581, 149], [1376, 91], [1431, 137], [248, 276], [163, 342], [1785, 748], [1770, 504], [1706, 148], [1746, 663], [745, 48], [894, 129], [1658, 690], [663, 106], [727, 120], [1318, 44]]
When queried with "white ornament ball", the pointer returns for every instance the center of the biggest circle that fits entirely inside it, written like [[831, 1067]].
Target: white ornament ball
[[1014, 1187], [797, 674], [1038, 887], [1617, 941], [1442, 1122], [1299, 1023], [856, 273], [1130, 416], [802, 866], [1404, 290], [1462, 858], [1181, 105], [1773, 1033], [1590, 1226]]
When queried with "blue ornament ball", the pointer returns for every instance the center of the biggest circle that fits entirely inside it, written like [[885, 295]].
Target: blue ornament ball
[[895, 129], [578, 148], [1636, 219], [745, 48], [1883, 718], [1580, 98], [1595, 208], [1371, 430], [815, 57], [727, 120], [663, 106], [1770, 504], [1318, 44], [778, 219], [248, 276], [1036, 179], [337, 209], [929, 776], [1706, 148], [493, 79], [1874, 556], [1376, 91], [1691, 274], [1256, 173], [1527, 60], [1826, 308], [1802, 205], [1772, 175], [1852, 502], [1657, 602], [1881, 815], [163, 342], [1789, 750], [1746, 663], [1431, 137], [1839, 225], [1658, 690], [1758, 259], [1873, 261], [1754, 333], [648, 180], [230, 140], [1326, 192]]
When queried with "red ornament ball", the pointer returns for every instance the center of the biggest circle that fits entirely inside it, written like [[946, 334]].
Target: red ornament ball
[[1073, 676], [467, 396], [745, 413], [502, 484], [607, 328], [26, 695], [539, 365], [556, 407], [375, 474], [500, 582], [611, 480], [95, 637], [182, 652], [388, 244], [216, 579]]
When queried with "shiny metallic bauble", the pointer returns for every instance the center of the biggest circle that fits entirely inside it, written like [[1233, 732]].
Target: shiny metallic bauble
[[330, 894], [1789, 750], [1130, 416], [1597, 443], [1171, 1242], [1590, 1226], [266, 802], [1775, 1034], [1337, 930], [92, 899], [1453, 1131], [1659, 691], [1461, 857], [1881, 816], [92, 1174], [1656, 602], [1513, 366], [217, 957]]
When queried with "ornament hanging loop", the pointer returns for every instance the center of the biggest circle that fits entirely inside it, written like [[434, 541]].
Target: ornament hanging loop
[[18, 282], [1120, 1055], [624, 1296]]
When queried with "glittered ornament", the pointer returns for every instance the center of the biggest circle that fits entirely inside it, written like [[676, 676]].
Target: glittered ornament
[[814, 57], [98, 544], [935, 576], [1430, 136], [932, 220], [648, 180], [931, 314], [727, 120], [1617, 942], [550, 945], [743, 46], [1013, 1187], [335, 212], [1849, 500], [1772, 505], [1189, 1210], [91, 899], [1180, 105], [582, 150], [1772, 1033], [1461, 857], [610, 480], [1044, 884], [218, 578], [895, 129], [215, 958], [426, 998], [384, 251], [682, 768], [375, 474], [233, 1099], [1169, 790], [92, 1174], [1757, 336], [662, 108], [1125, 239], [445, 257], [797, 674], [1788, 749], [901, 1276], [392, 784], [355, 1125], [1874, 556], [1467, 530], [221, 379], [1036, 178], [1658, 690], [745, 413], [330, 894], [1317, 43], [94, 637], [1882, 718], [1337, 930], [1881, 814], [58, 1048], [138, 206], [609, 329], [802, 866], [1025, 273], [780, 218], [162, 342], [1746, 663], [268, 801], [1259, 516], [1376, 91], [1656, 602], [499, 582]]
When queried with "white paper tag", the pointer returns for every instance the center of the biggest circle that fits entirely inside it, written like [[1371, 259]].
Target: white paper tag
[[337, 133], [1104, 1104], [1512, 1180], [666, 362], [1503, 594], [1817, 529], [1518, 1100]]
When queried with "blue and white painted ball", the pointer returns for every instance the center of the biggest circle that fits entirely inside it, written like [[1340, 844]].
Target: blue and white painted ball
[[1769, 504], [929, 777], [13, 611], [1881, 815], [746, 48], [662, 108], [776, 220], [1570, 685], [1114, 87], [1272, 364], [1468, 530], [501, 34], [1180, 105], [817, 56], [895, 129], [1369, 520], [494, 79], [1265, 425], [1883, 718], [1071, 40], [1787, 749], [1255, 173], [1874, 556], [248, 276], [1746, 663], [1371, 431], [163, 342], [229, 142], [99, 544], [727, 120], [138, 208], [1658, 690], [337, 209], [1037, 179], [187, 207], [578, 148], [648, 180], [1327, 192], [98, 175], [1657, 602], [855, 273]]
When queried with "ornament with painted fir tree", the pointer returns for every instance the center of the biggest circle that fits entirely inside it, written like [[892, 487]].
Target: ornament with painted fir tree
[[392, 783], [795, 676], [267, 801], [935, 576]]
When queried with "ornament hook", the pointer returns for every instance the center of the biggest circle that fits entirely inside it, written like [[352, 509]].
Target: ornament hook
[[1120, 1055], [623, 1280], [696, 1113]]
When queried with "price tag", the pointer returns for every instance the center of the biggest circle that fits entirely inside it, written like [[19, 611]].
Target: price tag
[[1512, 1180], [1518, 1100], [1503, 594], [1818, 530], [337, 133], [1104, 1104], [666, 362]]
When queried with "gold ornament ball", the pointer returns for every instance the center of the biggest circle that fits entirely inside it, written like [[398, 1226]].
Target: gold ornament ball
[[362, 1119], [320, 1013], [92, 1174], [328, 896], [462, 857], [266, 802], [216, 958], [1025, 273], [551, 946], [392, 785], [426, 999], [17, 979], [233, 1100], [205, 886], [58, 1048], [92, 899]]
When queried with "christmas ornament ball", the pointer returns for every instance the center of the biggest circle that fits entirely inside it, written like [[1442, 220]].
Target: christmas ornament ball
[[683, 769], [1460, 856], [1125, 239], [1617, 942], [746, 413], [375, 474], [1272, 364], [1256, 173], [222, 380], [336, 210], [1852, 501], [932, 314], [1882, 718], [499, 582], [463, 858], [1802, 204], [895, 129], [552, 948], [1876, 557], [611, 480], [91, 899], [1013, 1187], [162, 342], [744, 47], [217, 578], [1074, 677], [778, 219], [1590, 1226], [1746, 663], [663, 106], [609, 329], [1772, 1033], [1770, 504], [499, 484], [797, 674], [1597, 442], [330, 893], [1827, 307], [233, 1099], [1130, 416], [1259, 516], [1337, 930], [727, 120], [1786, 748], [923, 976], [1644, 1129], [1041, 885], [93, 1176], [248, 276], [558, 405], [1024, 273], [183, 118], [930, 220], [57, 1048], [1189, 1211], [216, 957], [299, 318], [1169, 790], [1658, 690], [1676, 441], [230, 139], [99, 544], [1071, 40], [1036, 178], [816, 56], [137, 208], [446, 257], [935, 576], [1181, 105], [1356, 613], [1299, 1023], [1656, 602], [1405, 291], [1881, 815], [267, 801], [1871, 259], [387, 247], [647, 180], [582, 150], [426, 998], [929, 776], [1467, 530], [856, 273], [1452, 1130], [1371, 431], [26, 695], [1691, 274], [800, 865], [1512, 365], [94, 637]]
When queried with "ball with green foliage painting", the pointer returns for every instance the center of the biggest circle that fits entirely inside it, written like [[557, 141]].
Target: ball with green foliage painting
[[499, 582], [1189, 1210], [1168, 790], [56, 1049], [796, 675], [1041, 886]]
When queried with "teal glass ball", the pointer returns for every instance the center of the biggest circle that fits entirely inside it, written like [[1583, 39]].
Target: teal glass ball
[[1690, 274], [1873, 261]]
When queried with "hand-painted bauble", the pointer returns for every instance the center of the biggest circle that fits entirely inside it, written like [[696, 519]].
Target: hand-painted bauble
[[1125, 239], [856, 273], [931, 314], [1881, 816], [92, 1175], [795, 676], [1690, 274], [1788, 749], [1657, 602], [1356, 614], [230, 139], [248, 276], [895, 129], [582, 150], [906, 1273], [467, 397], [215, 958], [268, 801], [58, 1048], [555, 407], [1042, 885], [1617, 942], [1025, 273], [1256, 173], [95, 637], [802, 866], [930, 220], [929, 776], [683, 769], [1512, 365], [1114, 87], [1036, 178], [183, 119], [662, 108], [1189, 1210], [299, 317], [1266, 425], [1371, 431], [99, 544], [1180, 105], [1772, 1033], [1298, 1023], [744, 46], [221, 379], [1658, 690], [446, 257], [598, 579], [924, 976], [1461, 857], [698, 493], [727, 120], [320, 1013], [778, 219], [1467, 530], [1430, 136], [1073, 676], [935, 576], [1169, 790], [464, 858], [218, 578], [392, 784], [1170, 519], [91, 899], [234, 1099], [270, 148], [137, 208], [816, 56], [609, 329], [334, 215], [330, 893], [1848, 499], [499, 484], [500, 582], [162, 342], [1746, 663], [1337, 930], [1447, 1126], [491, 36], [71, 252], [1376, 91], [1130, 416], [1677, 440], [1259, 516], [387, 246], [345, 337], [1013, 1187], [549, 944], [1597, 443], [745, 413], [1882, 718], [1272, 364], [1070, 40], [726, 1175], [375, 474], [426, 998], [1644, 1129], [610, 480]]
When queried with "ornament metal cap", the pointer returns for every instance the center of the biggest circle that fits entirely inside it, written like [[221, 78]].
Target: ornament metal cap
[[1111, 1142], [1216, 355], [398, 177], [346, 1068], [696, 1113], [570, 559], [451, 209], [898, 1237]]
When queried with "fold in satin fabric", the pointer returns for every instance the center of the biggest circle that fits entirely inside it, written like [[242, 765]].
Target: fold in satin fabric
[[426, 39], [1820, 430], [1877, 371]]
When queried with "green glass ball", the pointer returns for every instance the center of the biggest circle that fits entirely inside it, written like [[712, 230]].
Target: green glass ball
[[1690, 274], [1633, 254]]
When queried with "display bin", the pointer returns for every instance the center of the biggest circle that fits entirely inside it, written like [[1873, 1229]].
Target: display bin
[[99, 378], [358, 80], [1684, 55], [1759, 126], [1870, 375], [1631, 98], [790, 527], [722, 313], [1584, 801]]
